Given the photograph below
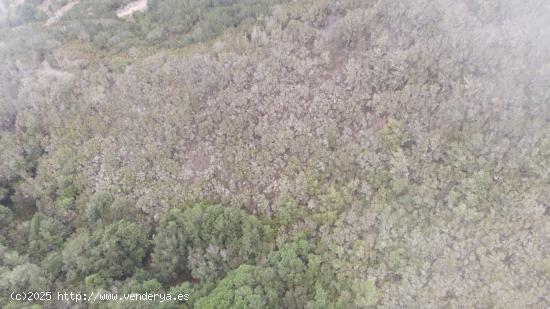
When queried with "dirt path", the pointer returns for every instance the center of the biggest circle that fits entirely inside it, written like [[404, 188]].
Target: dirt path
[[130, 8], [64, 9]]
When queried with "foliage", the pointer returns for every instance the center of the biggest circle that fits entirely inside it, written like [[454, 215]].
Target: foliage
[[6, 217], [246, 287], [47, 235], [205, 240], [114, 251], [283, 154]]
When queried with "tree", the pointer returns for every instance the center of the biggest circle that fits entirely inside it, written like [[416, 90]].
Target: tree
[[96, 208], [246, 287], [6, 220], [300, 271], [47, 234], [78, 256], [53, 265], [103, 208], [25, 277], [120, 249], [114, 251], [205, 240], [26, 13]]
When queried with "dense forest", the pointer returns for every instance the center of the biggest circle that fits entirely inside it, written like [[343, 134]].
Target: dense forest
[[276, 153]]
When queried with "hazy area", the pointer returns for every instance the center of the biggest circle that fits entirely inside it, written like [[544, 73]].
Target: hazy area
[[276, 154], [130, 8]]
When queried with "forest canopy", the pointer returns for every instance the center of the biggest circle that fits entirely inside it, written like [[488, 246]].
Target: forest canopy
[[276, 154]]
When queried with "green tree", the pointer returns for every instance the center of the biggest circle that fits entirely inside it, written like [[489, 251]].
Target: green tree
[[102, 208], [47, 234], [206, 240], [120, 249], [114, 251], [6, 220], [97, 207], [53, 265], [301, 273], [24, 277], [78, 256], [246, 287]]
